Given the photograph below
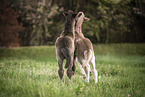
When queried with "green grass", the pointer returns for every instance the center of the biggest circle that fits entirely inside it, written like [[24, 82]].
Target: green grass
[[32, 72]]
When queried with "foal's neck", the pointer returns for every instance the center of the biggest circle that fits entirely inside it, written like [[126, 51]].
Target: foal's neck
[[79, 33], [69, 28]]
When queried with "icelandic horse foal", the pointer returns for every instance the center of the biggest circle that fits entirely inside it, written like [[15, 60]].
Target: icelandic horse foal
[[65, 46], [84, 51]]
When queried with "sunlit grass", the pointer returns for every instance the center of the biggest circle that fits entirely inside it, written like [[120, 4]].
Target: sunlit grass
[[32, 72]]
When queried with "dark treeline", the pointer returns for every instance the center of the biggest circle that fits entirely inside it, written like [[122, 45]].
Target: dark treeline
[[40, 22]]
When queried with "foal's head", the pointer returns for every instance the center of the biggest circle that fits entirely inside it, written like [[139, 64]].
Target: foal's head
[[70, 20], [81, 18], [70, 16]]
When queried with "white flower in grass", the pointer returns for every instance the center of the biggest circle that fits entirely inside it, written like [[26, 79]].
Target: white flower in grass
[[99, 77]]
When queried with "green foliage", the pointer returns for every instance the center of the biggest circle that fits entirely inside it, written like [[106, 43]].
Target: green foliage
[[39, 16], [9, 26], [111, 21], [32, 72]]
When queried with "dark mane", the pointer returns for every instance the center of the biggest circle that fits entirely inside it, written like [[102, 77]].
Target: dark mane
[[69, 26]]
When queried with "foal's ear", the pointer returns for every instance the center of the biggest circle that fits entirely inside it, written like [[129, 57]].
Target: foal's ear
[[65, 14], [86, 19], [78, 15]]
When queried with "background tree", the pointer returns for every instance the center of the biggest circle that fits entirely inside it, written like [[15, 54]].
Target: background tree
[[9, 26], [111, 21], [137, 27], [36, 16]]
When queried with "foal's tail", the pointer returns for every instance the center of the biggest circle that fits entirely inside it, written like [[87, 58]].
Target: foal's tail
[[67, 55], [87, 57], [88, 54]]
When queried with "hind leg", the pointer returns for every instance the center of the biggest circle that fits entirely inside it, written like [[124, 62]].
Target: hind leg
[[74, 67], [94, 71], [60, 70], [70, 72], [87, 70], [60, 64], [82, 70]]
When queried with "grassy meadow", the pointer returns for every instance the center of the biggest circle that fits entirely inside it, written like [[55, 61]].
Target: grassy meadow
[[32, 72]]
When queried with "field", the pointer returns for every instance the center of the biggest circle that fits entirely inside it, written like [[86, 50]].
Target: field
[[32, 72]]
